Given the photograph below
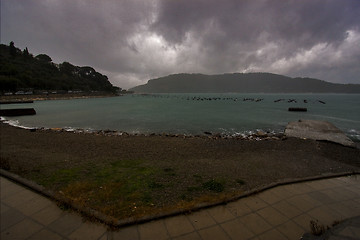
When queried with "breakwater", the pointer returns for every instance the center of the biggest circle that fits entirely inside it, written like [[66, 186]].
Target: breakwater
[[17, 112], [16, 101]]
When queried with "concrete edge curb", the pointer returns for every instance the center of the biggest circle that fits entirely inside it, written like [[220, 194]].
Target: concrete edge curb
[[115, 223]]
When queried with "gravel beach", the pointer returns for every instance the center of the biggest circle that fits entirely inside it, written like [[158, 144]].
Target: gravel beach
[[185, 163]]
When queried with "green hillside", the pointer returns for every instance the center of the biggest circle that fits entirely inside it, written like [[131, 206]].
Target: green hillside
[[20, 70], [242, 83]]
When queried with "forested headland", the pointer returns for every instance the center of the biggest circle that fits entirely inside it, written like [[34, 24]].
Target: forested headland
[[21, 71]]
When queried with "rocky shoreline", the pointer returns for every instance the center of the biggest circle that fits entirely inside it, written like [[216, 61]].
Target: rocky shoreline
[[257, 136]]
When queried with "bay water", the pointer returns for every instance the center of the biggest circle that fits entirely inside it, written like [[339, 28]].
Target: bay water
[[192, 114]]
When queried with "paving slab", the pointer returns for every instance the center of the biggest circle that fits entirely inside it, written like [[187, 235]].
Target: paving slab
[[255, 203], [287, 209], [237, 230], [272, 234], [178, 225], [45, 234], [272, 216], [10, 218], [291, 230], [215, 232], [190, 236], [48, 215], [238, 208], [21, 230], [126, 233], [88, 231], [255, 223], [220, 214], [66, 224], [201, 219], [153, 230]]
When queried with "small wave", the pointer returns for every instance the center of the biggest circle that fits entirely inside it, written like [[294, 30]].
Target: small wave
[[15, 123], [354, 135], [69, 129], [354, 131]]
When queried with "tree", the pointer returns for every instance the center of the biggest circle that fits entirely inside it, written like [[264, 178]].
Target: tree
[[44, 58], [26, 52], [12, 49]]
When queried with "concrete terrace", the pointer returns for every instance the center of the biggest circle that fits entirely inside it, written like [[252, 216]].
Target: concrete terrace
[[282, 212]]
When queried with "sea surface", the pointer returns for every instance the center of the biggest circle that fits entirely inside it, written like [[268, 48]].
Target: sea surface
[[193, 114]]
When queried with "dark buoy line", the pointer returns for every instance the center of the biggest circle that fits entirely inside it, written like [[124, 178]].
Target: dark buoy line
[[297, 109]]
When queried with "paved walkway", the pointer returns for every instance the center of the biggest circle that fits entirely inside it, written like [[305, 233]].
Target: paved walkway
[[280, 213]]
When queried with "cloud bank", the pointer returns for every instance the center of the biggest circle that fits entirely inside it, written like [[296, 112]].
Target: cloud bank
[[132, 41]]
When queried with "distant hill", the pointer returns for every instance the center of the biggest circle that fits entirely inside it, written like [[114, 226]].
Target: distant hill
[[242, 83], [20, 70]]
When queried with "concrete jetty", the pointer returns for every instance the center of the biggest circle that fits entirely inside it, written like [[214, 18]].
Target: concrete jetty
[[317, 130]]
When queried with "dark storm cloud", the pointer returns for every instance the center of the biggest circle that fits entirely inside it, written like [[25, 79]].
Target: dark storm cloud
[[134, 40], [236, 30]]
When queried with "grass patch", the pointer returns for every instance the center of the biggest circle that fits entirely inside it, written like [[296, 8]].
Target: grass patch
[[120, 188], [60, 177], [214, 186]]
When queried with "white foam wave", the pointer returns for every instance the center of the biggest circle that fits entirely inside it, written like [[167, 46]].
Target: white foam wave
[[15, 123]]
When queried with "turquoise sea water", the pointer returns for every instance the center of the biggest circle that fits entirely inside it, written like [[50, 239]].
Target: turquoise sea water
[[194, 113]]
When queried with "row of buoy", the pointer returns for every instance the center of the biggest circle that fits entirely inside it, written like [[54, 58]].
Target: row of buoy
[[235, 99], [295, 101], [197, 98]]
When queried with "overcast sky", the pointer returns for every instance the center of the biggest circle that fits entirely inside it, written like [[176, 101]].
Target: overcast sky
[[132, 41]]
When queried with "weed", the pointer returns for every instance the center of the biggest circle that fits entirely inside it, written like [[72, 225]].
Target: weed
[[64, 206], [214, 186], [240, 181], [316, 228]]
